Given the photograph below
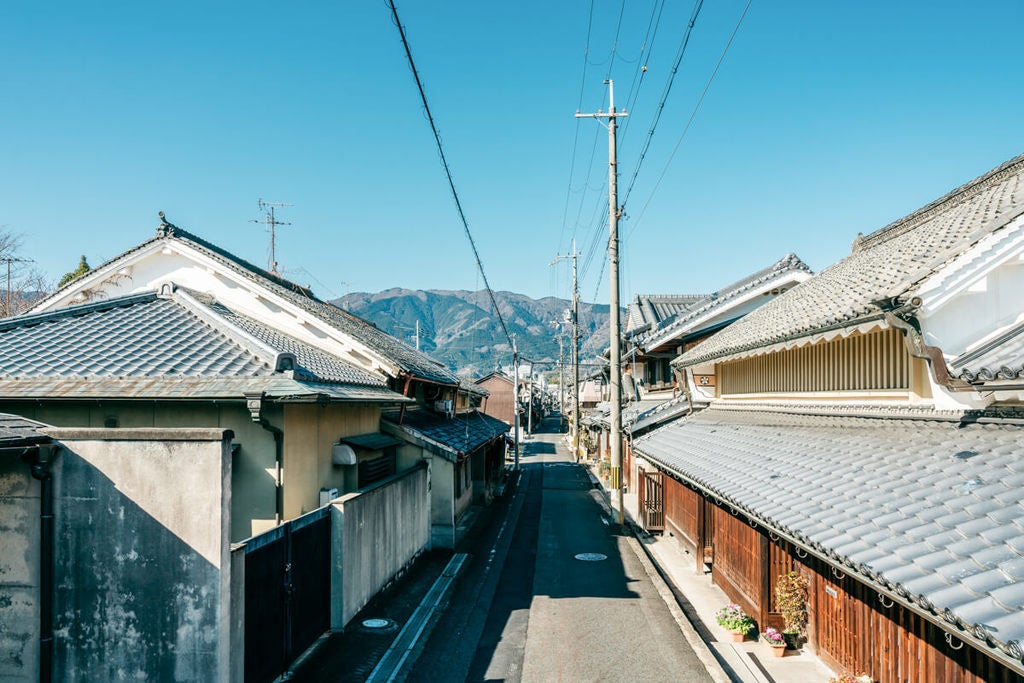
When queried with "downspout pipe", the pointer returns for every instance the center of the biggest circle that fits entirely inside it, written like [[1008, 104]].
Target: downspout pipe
[[279, 460], [254, 403], [40, 461]]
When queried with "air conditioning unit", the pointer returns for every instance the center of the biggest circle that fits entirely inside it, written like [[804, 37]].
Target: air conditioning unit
[[327, 495]]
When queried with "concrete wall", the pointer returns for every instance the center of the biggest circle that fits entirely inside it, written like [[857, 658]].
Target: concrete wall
[[142, 567], [19, 571], [375, 533], [253, 484]]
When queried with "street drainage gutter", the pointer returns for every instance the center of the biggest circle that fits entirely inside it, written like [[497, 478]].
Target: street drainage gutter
[[390, 665]]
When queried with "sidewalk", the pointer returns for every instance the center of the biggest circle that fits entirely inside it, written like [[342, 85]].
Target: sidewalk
[[699, 599]]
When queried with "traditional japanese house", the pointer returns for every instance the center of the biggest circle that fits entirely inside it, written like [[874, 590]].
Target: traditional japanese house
[[864, 430]]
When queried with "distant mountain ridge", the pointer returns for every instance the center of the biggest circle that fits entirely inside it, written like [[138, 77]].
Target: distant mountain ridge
[[460, 329]]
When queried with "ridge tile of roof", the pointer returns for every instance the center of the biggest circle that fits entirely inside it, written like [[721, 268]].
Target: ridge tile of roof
[[886, 264]]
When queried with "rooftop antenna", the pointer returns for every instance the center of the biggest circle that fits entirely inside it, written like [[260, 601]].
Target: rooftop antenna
[[271, 223]]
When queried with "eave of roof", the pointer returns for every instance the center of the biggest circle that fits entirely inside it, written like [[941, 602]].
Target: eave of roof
[[883, 269], [915, 489], [452, 438]]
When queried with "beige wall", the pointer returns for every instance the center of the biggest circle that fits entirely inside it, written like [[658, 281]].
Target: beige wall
[[310, 432]]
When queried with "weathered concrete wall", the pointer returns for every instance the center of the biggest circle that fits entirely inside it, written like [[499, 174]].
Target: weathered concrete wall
[[375, 533], [143, 554], [255, 498], [19, 572]]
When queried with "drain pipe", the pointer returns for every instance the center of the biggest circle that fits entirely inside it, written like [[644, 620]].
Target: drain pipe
[[279, 460], [39, 465], [254, 402]]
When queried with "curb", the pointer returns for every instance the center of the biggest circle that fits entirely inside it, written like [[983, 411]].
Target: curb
[[705, 654]]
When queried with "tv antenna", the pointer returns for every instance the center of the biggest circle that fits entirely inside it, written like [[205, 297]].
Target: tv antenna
[[271, 223]]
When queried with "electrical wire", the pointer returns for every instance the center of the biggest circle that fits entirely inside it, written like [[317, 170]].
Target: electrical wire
[[447, 169], [693, 114]]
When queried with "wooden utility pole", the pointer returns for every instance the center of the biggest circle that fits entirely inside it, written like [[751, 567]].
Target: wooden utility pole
[[9, 260], [515, 395], [614, 212], [575, 350]]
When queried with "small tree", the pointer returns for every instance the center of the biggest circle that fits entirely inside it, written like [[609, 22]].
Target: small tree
[[791, 600], [82, 269]]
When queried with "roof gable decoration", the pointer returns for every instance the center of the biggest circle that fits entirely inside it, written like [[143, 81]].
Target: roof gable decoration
[[973, 297], [170, 260]]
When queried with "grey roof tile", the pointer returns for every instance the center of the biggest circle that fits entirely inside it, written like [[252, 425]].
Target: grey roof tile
[[687, 320], [943, 544], [885, 264], [1013, 568], [147, 346], [987, 581], [455, 436]]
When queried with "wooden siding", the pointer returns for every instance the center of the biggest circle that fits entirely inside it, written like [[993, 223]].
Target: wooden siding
[[861, 362], [849, 627], [738, 559], [681, 511]]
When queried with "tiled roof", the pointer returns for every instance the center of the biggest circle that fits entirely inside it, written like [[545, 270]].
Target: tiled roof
[[1000, 359], [146, 345], [312, 364], [403, 355], [886, 264], [645, 415], [929, 510], [454, 436], [648, 310], [19, 431], [138, 336], [689, 320]]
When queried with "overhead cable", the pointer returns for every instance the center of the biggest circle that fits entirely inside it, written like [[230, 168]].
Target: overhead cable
[[447, 170]]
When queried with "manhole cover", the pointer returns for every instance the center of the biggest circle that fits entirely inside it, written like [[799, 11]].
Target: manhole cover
[[379, 624], [591, 557]]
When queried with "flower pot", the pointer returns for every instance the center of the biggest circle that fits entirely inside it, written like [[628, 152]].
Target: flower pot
[[792, 640], [738, 636], [779, 650]]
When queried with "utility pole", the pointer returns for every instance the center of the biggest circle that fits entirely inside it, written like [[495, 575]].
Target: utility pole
[[575, 350], [515, 395], [561, 375], [9, 260], [417, 335], [614, 212], [271, 223], [529, 407]]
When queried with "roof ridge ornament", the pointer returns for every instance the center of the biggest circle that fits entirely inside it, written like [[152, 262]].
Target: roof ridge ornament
[[166, 228]]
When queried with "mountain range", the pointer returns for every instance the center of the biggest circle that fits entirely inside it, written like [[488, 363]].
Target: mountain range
[[460, 329]]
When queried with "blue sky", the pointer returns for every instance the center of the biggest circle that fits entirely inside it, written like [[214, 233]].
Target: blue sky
[[824, 120]]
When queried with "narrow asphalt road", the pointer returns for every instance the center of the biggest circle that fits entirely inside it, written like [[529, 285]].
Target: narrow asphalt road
[[553, 592]]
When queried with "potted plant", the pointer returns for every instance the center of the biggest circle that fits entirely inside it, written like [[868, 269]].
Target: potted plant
[[775, 641], [733, 619], [791, 601]]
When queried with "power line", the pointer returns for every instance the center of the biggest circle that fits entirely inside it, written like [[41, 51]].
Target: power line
[[693, 114], [447, 169], [664, 96]]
